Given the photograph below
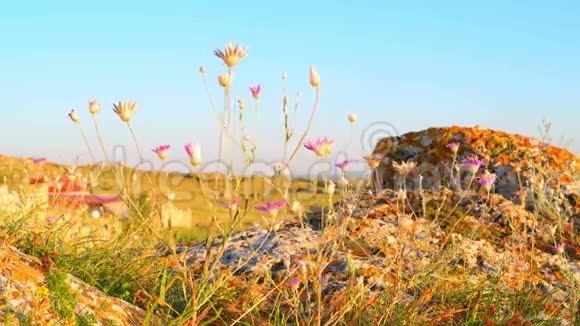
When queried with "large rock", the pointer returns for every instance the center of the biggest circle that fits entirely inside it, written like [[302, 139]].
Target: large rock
[[507, 155], [25, 296], [373, 251]]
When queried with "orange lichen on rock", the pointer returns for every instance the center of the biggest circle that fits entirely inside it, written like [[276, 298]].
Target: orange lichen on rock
[[512, 157], [30, 275]]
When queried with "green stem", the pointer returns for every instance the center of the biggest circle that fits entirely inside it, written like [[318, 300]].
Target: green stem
[[214, 111], [285, 148], [87, 143], [141, 159], [227, 128], [312, 114]]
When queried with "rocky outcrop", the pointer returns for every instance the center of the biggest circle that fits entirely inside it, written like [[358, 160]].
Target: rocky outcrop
[[32, 292], [384, 245], [516, 160]]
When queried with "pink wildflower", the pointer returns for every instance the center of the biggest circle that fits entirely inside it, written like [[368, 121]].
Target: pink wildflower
[[73, 116], [343, 166], [294, 282], [162, 151], [272, 207], [193, 150], [453, 146], [233, 204], [256, 91], [38, 160], [473, 164], [321, 147], [50, 219], [486, 180]]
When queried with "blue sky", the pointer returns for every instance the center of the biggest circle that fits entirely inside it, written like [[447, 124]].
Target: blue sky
[[502, 64]]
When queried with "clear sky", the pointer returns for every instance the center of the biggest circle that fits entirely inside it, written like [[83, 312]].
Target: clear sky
[[415, 64]]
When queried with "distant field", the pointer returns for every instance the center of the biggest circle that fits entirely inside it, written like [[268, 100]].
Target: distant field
[[200, 194]]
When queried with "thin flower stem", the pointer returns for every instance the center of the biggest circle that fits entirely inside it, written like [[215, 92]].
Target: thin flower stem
[[166, 180], [284, 103], [141, 160], [453, 177], [285, 111], [227, 111], [257, 128], [226, 118], [227, 115], [87, 143], [257, 108], [287, 123], [308, 126], [100, 139], [227, 103], [221, 140], [378, 180], [327, 190], [463, 195], [351, 132], [211, 101], [214, 111]]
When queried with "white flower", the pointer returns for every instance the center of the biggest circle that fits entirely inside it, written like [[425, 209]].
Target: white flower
[[330, 187], [404, 168]]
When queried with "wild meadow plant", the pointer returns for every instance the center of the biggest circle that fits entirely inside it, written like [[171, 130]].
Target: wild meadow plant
[[74, 117], [143, 260]]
